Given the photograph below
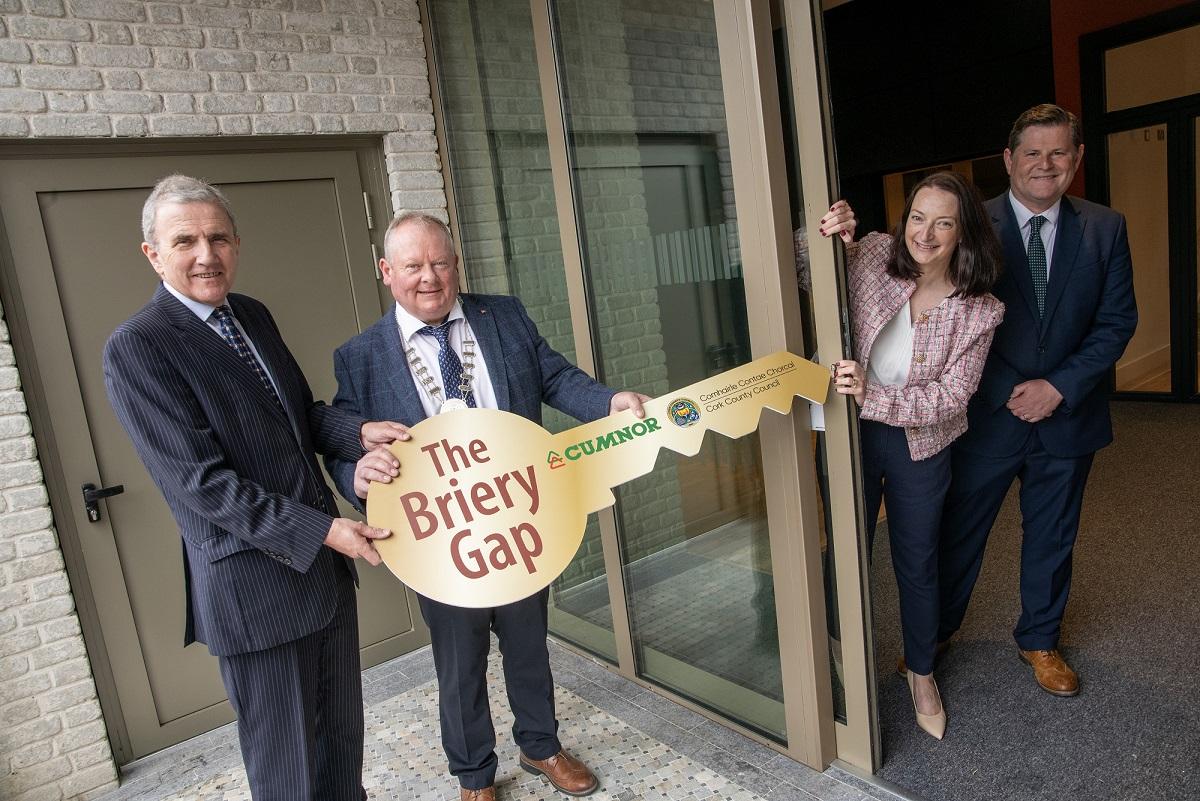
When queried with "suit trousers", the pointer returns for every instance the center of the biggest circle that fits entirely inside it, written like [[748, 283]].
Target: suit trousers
[[461, 640], [914, 491], [299, 710], [1051, 497]]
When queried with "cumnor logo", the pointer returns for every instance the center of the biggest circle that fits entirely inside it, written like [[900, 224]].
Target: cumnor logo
[[683, 412], [610, 440]]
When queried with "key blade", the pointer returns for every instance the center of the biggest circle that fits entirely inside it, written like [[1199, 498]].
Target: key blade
[[593, 458]]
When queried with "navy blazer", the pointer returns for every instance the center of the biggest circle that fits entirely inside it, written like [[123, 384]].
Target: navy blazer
[[374, 379], [237, 471], [1090, 316]]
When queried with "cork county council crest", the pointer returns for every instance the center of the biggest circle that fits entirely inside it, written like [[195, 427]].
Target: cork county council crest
[[683, 412]]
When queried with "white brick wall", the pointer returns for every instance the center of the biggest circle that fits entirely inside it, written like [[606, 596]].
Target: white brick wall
[[112, 68], [101, 68], [52, 742]]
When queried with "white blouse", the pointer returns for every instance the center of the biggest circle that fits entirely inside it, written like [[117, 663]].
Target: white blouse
[[891, 354]]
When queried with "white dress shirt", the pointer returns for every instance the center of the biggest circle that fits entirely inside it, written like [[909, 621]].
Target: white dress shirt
[[891, 354], [205, 313], [427, 351], [1049, 227]]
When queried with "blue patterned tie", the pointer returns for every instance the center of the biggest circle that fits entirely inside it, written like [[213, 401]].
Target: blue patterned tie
[[448, 361], [233, 337], [1037, 261]]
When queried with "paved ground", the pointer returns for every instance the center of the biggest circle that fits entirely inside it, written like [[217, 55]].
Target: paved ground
[[642, 746]]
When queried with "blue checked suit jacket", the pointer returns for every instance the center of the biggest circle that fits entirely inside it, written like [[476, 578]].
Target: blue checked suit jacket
[[374, 379], [238, 472], [1090, 316]]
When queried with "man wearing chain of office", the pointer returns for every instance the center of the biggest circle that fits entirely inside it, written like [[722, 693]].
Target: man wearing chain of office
[[435, 352]]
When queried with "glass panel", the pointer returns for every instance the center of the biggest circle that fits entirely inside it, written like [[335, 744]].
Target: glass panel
[[650, 158], [1137, 170], [505, 202], [1159, 68]]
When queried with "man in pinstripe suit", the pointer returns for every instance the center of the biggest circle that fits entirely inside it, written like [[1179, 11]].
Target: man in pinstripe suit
[[226, 425]]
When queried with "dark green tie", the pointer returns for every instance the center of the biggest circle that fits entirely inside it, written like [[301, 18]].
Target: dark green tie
[[1037, 262]]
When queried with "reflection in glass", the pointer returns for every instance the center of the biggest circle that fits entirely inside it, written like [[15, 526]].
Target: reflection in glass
[[1137, 174], [505, 202], [650, 157]]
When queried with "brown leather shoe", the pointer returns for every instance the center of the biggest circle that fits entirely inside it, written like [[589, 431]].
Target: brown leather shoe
[[938, 651], [1052, 672], [564, 771], [486, 794]]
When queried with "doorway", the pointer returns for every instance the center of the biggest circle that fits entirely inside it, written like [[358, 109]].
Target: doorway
[[72, 272], [619, 167], [1143, 140]]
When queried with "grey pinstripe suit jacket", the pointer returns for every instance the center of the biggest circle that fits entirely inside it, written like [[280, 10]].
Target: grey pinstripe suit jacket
[[374, 379], [238, 472]]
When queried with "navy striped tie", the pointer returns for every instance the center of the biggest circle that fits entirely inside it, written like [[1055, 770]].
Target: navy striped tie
[[233, 337], [452, 369]]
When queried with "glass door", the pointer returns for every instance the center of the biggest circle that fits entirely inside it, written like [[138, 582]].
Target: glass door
[[619, 166], [494, 135], [1137, 181], [646, 132], [1141, 114]]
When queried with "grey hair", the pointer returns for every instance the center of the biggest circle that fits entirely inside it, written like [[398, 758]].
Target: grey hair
[[423, 219], [182, 189]]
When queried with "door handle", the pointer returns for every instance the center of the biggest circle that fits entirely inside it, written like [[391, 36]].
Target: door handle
[[93, 494]]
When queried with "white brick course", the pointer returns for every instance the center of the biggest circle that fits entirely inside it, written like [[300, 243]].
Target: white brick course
[[67, 101], [22, 101], [60, 78], [45, 8], [37, 28], [17, 52], [118, 68], [108, 9]]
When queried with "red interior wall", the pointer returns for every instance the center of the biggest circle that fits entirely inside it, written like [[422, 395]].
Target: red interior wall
[[1070, 19]]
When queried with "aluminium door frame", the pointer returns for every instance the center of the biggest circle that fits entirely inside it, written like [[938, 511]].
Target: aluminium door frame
[[858, 738]]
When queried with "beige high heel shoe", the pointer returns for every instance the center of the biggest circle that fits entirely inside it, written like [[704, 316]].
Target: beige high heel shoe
[[934, 725]]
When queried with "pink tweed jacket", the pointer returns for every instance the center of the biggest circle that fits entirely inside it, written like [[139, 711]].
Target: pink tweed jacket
[[950, 345]]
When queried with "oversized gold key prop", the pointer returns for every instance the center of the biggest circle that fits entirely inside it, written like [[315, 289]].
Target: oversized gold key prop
[[489, 507]]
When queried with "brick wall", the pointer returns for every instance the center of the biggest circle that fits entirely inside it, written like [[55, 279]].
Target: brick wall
[[101, 68], [53, 743], [112, 68]]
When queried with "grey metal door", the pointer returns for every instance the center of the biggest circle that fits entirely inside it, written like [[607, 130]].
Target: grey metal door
[[73, 230]]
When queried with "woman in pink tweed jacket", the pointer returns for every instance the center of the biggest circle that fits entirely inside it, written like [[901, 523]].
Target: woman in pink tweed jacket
[[923, 319]]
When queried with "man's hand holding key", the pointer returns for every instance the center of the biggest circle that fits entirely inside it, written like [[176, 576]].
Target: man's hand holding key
[[491, 507]]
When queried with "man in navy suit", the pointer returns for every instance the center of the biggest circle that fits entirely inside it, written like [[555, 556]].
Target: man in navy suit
[[464, 351], [226, 425], [1041, 411]]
